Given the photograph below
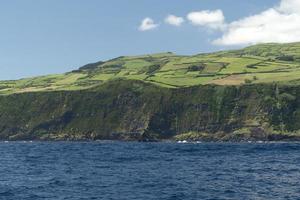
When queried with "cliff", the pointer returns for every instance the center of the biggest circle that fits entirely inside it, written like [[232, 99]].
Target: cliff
[[135, 110]]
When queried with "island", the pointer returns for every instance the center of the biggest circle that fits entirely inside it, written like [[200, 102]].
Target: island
[[251, 94]]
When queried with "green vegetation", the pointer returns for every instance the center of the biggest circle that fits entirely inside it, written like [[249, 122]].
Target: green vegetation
[[240, 95], [135, 110], [264, 63]]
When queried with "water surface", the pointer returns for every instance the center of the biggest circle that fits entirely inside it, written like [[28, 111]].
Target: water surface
[[117, 170]]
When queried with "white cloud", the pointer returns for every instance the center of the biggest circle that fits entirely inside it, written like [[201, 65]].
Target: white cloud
[[289, 6], [148, 24], [213, 19], [280, 24], [174, 20]]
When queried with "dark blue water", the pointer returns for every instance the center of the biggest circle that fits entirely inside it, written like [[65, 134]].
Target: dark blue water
[[65, 170]]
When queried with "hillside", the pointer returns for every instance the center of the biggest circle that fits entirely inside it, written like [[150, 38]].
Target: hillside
[[264, 63], [240, 95]]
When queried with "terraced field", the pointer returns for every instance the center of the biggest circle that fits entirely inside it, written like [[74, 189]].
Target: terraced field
[[263, 63]]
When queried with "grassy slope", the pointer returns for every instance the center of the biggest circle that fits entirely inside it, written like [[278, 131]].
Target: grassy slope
[[256, 64], [134, 98]]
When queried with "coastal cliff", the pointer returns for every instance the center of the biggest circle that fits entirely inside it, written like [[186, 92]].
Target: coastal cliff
[[239, 95], [134, 110]]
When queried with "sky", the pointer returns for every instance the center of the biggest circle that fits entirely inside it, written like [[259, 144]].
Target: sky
[[39, 37]]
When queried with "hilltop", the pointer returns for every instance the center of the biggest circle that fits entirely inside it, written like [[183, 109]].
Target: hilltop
[[264, 63], [239, 95]]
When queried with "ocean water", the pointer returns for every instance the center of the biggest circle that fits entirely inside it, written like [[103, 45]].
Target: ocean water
[[119, 170]]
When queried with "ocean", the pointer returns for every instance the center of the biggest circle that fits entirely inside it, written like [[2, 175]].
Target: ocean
[[131, 170]]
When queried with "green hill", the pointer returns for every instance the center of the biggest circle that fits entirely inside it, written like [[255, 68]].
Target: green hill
[[264, 63], [239, 95]]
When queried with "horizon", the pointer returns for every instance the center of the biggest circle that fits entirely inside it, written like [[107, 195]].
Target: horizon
[[53, 37]]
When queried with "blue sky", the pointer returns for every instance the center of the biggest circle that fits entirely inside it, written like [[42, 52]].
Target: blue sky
[[52, 36]]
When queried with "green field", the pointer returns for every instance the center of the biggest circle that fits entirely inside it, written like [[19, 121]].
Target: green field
[[262, 63]]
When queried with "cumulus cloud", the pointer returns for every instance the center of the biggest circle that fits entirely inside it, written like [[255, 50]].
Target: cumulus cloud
[[174, 20], [213, 19], [148, 24], [279, 24], [289, 6]]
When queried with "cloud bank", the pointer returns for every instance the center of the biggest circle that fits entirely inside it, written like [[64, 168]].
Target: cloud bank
[[280, 24]]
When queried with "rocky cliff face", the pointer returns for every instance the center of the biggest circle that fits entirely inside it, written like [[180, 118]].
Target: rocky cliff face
[[133, 110]]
